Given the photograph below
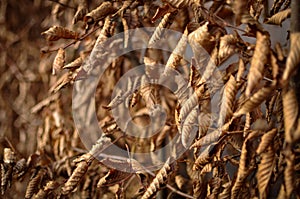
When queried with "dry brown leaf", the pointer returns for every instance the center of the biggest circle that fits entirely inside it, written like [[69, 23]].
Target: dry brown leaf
[[290, 111], [74, 64], [126, 4], [289, 176], [247, 124], [226, 191], [61, 82], [20, 168], [188, 127], [266, 141], [201, 39], [161, 11], [204, 157], [59, 61], [241, 71], [279, 51], [9, 156], [282, 192], [207, 139], [204, 122], [177, 53], [279, 17], [206, 169], [34, 182], [279, 108], [293, 58], [227, 101], [57, 32], [126, 32], [159, 179], [227, 46], [6, 176], [243, 170], [275, 66], [276, 6], [9, 159], [200, 188], [254, 101], [258, 61], [166, 21], [82, 164], [49, 187], [264, 171], [99, 13], [191, 103]]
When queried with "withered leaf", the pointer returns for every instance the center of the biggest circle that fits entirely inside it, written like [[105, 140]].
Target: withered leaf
[[57, 32], [159, 179], [290, 111], [104, 9], [266, 141], [258, 61], [255, 100], [293, 58], [279, 17], [264, 171], [59, 61]]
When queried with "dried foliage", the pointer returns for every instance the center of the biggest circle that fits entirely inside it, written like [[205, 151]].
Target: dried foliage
[[278, 18], [258, 61], [235, 113], [56, 32]]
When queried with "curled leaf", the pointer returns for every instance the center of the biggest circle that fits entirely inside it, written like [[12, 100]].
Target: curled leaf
[[266, 141], [166, 21], [177, 53], [277, 4], [293, 58], [227, 46], [81, 168], [59, 61], [258, 61], [279, 17], [34, 183], [227, 101], [290, 111], [201, 39], [159, 179], [255, 100], [264, 171], [99, 13], [289, 176], [57, 32], [74, 64], [188, 127]]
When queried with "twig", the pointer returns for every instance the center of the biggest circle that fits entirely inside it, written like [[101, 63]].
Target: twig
[[44, 102]]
